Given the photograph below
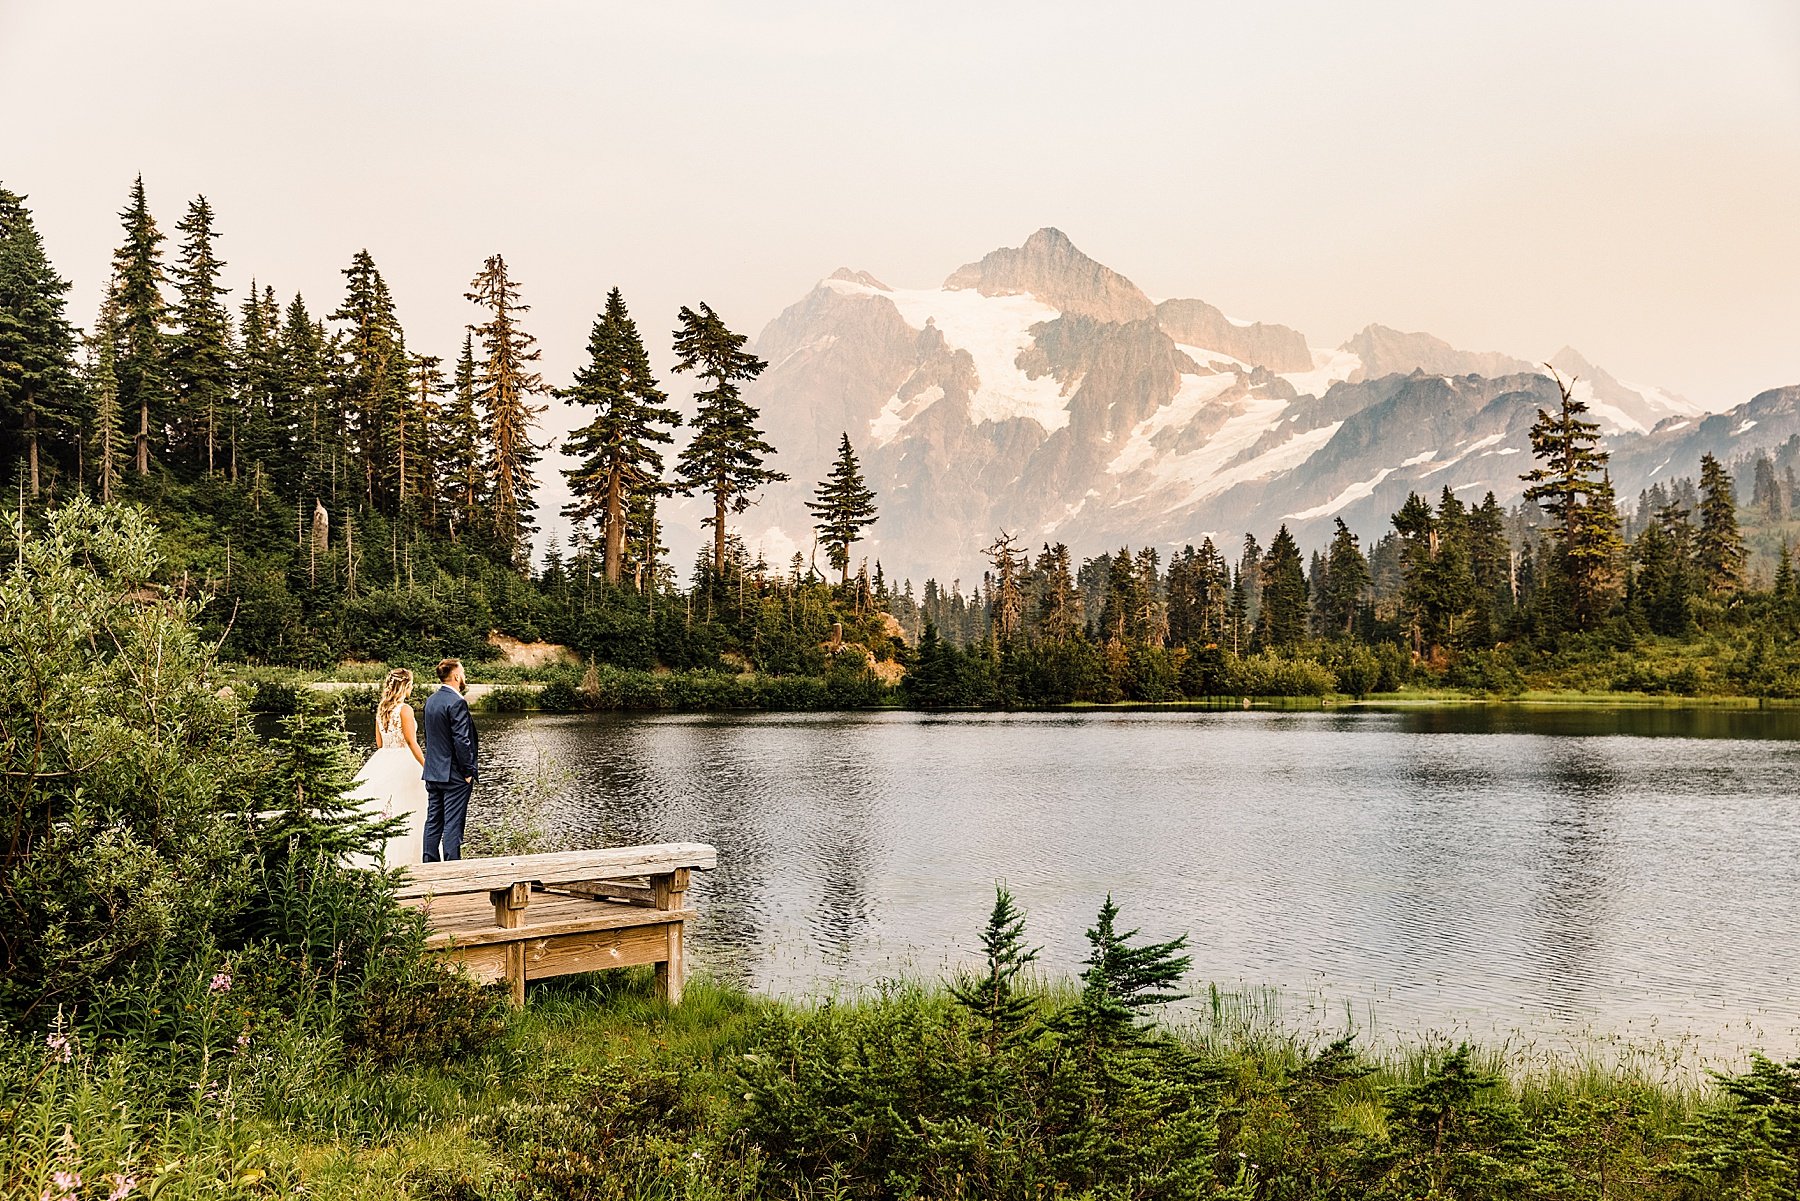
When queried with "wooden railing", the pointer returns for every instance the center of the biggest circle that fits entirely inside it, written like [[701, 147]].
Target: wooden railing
[[527, 917]]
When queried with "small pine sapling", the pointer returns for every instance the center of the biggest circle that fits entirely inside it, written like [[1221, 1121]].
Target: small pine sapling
[[994, 998]]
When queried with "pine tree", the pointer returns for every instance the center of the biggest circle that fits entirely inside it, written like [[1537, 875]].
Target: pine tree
[[1346, 582], [725, 459], [142, 357], [1571, 486], [618, 462], [106, 423], [1059, 600], [257, 435], [1282, 622], [843, 506], [301, 403], [419, 434], [464, 450], [1007, 602], [1664, 587], [199, 345], [994, 999], [372, 387], [1719, 547], [1121, 980], [38, 383], [504, 386]]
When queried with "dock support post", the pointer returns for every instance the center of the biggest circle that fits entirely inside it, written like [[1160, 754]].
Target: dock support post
[[509, 914], [667, 892]]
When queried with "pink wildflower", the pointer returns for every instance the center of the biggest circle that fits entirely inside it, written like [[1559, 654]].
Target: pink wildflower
[[123, 1183], [60, 1046], [221, 982]]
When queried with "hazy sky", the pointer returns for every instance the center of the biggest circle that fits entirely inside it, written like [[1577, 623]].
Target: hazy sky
[[1623, 177]]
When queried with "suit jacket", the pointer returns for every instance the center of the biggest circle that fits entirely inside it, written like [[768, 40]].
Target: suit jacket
[[451, 743]]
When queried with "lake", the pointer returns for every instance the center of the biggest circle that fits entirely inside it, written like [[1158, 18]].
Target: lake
[[1507, 872]]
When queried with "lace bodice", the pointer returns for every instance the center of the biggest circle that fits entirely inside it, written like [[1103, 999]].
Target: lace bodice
[[393, 733]]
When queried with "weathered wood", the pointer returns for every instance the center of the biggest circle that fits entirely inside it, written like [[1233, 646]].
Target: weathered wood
[[509, 914], [560, 867], [444, 940], [525, 917], [593, 952], [626, 892], [669, 891]]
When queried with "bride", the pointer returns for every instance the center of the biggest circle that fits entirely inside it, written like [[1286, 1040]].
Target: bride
[[391, 783]]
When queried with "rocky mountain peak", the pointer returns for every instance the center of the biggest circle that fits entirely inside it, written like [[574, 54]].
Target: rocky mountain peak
[[859, 277], [1386, 351], [1051, 268]]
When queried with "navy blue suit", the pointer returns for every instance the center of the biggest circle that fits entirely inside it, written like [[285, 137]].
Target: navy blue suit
[[451, 748]]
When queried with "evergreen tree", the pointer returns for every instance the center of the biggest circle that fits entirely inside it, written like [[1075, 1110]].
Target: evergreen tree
[[372, 387], [1719, 547], [1120, 980], [1570, 485], [106, 423], [258, 434], [141, 361], [417, 435], [38, 383], [1490, 568], [1345, 584], [301, 403], [463, 447], [1664, 587], [725, 458], [1766, 490], [504, 386], [616, 451], [199, 345], [1282, 622], [1059, 617], [843, 506], [995, 999]]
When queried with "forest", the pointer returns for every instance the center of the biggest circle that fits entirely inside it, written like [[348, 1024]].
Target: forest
[[339, 495]]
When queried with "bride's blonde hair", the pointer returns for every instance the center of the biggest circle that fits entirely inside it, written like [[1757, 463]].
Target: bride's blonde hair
[[395, 690]]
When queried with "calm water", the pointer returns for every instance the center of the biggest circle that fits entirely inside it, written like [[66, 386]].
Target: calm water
[[1496, 871]]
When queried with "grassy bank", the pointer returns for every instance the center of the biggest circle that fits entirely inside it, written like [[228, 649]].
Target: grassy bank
[[596, 1090]]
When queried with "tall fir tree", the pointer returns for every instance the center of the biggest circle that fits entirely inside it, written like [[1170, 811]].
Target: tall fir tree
[[843, 506], [726, 460], [463, 448], [257, 436], [1571, 487], [106, 423], [1719, 547], [199, 345], [505, 384], [1346, 582], [617, 459], [1281, 625], [38, 380], [371, 387], [419, 436], [142, 356], [302, 403]]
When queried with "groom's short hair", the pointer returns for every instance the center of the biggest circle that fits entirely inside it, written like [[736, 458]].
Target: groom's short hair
[[445, 667]]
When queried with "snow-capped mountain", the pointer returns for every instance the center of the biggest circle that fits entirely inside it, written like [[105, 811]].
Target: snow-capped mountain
[[1040, 392]]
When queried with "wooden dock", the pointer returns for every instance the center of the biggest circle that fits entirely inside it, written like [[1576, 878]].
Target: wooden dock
[[528, 917]]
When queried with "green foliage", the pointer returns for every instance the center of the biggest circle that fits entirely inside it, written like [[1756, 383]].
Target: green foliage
[[120, 764], [843, 506], [995, 1000]]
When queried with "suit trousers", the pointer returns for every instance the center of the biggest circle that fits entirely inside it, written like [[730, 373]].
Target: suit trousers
[[446, 806]]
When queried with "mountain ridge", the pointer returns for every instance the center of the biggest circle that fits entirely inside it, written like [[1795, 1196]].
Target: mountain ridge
[[1044, 393]]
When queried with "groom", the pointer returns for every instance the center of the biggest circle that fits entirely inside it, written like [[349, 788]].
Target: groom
[[450, 748]]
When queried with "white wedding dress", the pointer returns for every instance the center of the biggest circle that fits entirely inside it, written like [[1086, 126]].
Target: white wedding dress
[[392, 784]]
